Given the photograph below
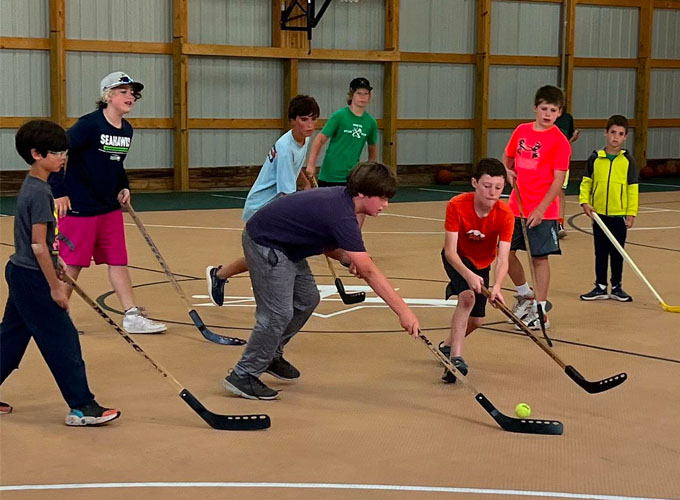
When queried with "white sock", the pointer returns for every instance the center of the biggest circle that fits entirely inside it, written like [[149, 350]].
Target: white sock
[[602, 287], [543, 304], [524, 290]]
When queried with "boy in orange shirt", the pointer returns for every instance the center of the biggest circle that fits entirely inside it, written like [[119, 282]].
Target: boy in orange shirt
[[537, 159], [478, 226]]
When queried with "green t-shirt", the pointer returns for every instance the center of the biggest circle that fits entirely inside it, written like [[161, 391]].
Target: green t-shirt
[[347, 133]]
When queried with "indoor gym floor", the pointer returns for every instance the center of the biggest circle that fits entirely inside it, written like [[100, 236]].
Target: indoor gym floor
[[369, 418]]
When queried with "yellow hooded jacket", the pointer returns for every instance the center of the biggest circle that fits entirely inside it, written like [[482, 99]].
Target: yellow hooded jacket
[[610, 186]]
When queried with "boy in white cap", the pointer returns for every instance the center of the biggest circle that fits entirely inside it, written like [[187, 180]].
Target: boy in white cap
[[89, 194]]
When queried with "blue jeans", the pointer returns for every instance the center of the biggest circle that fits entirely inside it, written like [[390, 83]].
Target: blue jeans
[[286, 296], [31, 312]]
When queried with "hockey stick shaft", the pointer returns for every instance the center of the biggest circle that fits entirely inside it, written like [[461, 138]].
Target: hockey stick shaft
[[631, 263], [525, 234], [220, 422], [207, 334]]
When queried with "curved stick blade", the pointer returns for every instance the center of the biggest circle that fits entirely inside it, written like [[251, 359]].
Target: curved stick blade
[[226, 422], [598, 385], [349, 298], [212, 336], [520, 425]]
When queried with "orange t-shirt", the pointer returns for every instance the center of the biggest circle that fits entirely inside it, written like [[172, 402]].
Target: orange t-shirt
[[461, 218], [537, 154]]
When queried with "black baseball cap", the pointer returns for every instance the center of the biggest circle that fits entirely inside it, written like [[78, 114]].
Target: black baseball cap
[[360, 83]]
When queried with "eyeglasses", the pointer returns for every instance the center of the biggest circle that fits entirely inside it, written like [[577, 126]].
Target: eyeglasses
[[60, 154]]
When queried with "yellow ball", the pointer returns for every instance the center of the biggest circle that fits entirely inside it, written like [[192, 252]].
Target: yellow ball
[[523, 410]]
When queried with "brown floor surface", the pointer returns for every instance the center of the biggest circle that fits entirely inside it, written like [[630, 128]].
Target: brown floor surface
[[369, 408]]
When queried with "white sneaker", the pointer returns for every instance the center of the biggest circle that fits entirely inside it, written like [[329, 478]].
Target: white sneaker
[[533, 322], [135, 321], [523, 305]]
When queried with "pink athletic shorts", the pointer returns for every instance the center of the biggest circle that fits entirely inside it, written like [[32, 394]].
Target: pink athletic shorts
[[101, 237]]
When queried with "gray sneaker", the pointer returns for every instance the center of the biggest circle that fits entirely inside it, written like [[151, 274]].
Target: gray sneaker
[[282, 369], [248, 387], [523, 306]]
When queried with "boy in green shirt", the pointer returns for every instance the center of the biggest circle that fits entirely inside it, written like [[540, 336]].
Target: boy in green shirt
[[348, 130]]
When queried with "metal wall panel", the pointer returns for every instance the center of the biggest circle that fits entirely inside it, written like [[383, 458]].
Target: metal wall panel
[[438, 26], [600, 93], [25, 83], [512, 89], [219, 148], [497, 139], [606, 31], [151, 149], [9, 158], [126, 20], [24, 18], [663, 143], [664, 93], [436, 90], [592, 139], [328, 83], [84, 71], [525, 28], [233, 22], [351, 26], [666, 34], [420, 147], [235, 88]]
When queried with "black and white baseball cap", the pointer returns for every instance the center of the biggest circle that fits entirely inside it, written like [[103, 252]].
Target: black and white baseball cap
[[360, 83], [116, 79]]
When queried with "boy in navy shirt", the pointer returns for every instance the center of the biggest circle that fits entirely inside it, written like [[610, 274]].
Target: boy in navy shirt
[[38, 301], [277, 241]]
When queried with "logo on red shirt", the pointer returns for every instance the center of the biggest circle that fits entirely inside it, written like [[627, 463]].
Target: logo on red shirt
[[526, 151]]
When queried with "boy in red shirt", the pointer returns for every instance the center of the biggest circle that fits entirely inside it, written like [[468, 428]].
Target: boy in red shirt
[[478, 226], [537, 159]]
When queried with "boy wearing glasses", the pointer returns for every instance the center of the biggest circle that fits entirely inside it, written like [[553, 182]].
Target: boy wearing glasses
[[38, 300], [89, 194]]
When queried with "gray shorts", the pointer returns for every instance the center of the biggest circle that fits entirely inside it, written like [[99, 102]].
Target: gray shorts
[[542, 238]]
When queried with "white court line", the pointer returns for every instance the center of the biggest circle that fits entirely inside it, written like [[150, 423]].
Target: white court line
[[321, 486], [662, 185], [227, 196], [411, 216], [190, 227]]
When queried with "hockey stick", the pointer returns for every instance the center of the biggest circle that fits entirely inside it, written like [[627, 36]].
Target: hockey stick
[[592, 387], [214, 420], [510, 424], [632, 264], [207, 334], [347, 298], [525, 233]]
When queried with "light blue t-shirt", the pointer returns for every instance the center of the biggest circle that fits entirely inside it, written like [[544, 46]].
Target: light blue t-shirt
[[278, 174]]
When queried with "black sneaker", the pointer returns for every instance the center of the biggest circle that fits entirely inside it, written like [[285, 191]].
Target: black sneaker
[[596, 293], [5, 408], [282, 369], [619, 294], [459, 363], [90, 415], [215, 285], [248, 387], [444, 349]]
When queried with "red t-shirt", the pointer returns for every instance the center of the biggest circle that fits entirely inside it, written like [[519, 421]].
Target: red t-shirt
[[537, 154], [461, 218]]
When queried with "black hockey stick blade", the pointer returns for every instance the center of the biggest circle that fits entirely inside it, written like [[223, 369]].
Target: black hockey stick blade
[[212, 336], [226, 422], [349, 298], [521, 425], [541, 321], [598, 385]]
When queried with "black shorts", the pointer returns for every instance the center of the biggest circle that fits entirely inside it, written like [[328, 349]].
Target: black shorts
[[542, 238], [457, 284], [330, 184]]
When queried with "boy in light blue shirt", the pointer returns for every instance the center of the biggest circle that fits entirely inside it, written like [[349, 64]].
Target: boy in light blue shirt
[[278, 177]]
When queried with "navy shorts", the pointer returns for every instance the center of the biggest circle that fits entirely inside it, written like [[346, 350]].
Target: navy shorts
[[543, 238], [457, 284]]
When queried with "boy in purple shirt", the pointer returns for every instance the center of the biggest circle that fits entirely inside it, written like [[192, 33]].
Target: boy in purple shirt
[[277, 241]]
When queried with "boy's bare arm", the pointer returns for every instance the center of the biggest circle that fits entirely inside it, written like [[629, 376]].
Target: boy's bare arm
[[373, 152], [451, 253], [319, 141], [42, 255], [536, 216], [509, 164], [501, 271]]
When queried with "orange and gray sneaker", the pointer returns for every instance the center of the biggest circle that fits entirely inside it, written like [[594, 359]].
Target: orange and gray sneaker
[[91, 415], [5, 408]]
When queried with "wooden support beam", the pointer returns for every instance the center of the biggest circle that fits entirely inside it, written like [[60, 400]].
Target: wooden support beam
[[525, 60], [643, 82], [570, 29], [482, 67], [116, 46], [57, 61], [21, 43], [180, 100], [391, 87], [437, 57], [604, 62]]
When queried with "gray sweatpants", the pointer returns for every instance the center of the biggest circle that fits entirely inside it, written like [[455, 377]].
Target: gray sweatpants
[[285, 294]]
